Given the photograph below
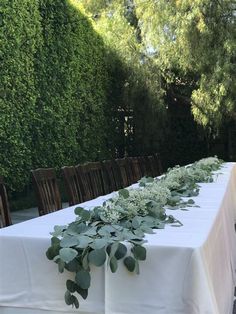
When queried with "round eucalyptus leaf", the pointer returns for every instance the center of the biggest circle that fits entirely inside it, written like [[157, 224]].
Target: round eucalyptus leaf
[[121, 251], [97, 257], [78, 210], [83, 279], [135, 223], [112, 248], [85, 216], [67, 254], [73, 266], [68, 298], [113, 264], [55, 241], [71, 286], [83, 241], [82, 292], [68, 241], [139, 252], [124, 193], [129, 262], [98, 243]]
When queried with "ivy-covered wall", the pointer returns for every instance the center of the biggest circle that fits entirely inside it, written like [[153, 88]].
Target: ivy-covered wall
[[54, 88]]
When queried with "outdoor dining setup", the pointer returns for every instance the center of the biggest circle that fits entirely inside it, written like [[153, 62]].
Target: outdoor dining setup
[[132, 241]]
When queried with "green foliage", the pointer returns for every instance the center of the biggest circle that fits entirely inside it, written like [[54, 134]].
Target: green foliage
[[139, 88], [19, 40], [54, 105], [116, 230], [72, 82], [197, 37]]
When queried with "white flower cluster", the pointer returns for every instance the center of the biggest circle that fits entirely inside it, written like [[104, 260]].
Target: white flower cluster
[[210, 161], [158, 190], [110, 212], [175, 177], [197, 174]]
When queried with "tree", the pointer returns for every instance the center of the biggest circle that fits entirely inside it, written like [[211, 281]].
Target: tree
[[192, 45], [195, 40]]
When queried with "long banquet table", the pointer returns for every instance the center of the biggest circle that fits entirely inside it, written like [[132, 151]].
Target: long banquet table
[[188, 270]]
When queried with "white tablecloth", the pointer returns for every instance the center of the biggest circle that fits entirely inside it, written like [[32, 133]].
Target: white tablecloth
[[189, 269]]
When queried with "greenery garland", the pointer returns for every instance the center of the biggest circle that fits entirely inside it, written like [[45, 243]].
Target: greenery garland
[[103, 233]]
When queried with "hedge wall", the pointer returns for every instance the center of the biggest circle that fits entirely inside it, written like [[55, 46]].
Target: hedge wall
[[54, 88], [19, 40], [72, 83]]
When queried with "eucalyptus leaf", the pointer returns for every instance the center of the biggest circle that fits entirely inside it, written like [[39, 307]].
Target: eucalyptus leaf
[[124, 193], [84, 241], [113, 264], [53, 251], [135, 223], [121, 251], [83, 279], [68, 298], [68, 241], [97, 257], [71, 286], [85, 262], [191, 201], [82, 292], [58, 231], [139, 252], [73, 266], [55, 241], [67, 254], [129, 262], [76, 228], [136, 269], [98, 243], [61, 266], [78, 210]]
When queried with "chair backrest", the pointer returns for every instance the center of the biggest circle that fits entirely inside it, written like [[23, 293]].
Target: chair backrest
[[135, 167], [5, 218], [112, 177], [91, 180], [159, 163], [46, 190], [125, 171], [143, 166], [151, 166], [72, 185]]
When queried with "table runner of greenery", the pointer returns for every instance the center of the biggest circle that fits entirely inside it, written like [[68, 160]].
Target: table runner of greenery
[[116, 230]]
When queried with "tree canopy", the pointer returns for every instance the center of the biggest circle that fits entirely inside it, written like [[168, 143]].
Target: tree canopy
[[188, 44]]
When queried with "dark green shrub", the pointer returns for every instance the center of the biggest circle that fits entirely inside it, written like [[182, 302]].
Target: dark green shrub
[[72, 84], [19, 39]]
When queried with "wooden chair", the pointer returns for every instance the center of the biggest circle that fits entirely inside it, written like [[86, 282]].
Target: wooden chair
[[46, 190], [157, 158], [143, 166], [5, 218], [135, 168], [125, 171], [72, 185], [112, 177], [91, 180], [151, 167]]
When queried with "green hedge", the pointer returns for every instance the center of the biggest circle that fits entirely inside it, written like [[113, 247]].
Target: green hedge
[[54, 88], [72, 82], [19, 40]]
